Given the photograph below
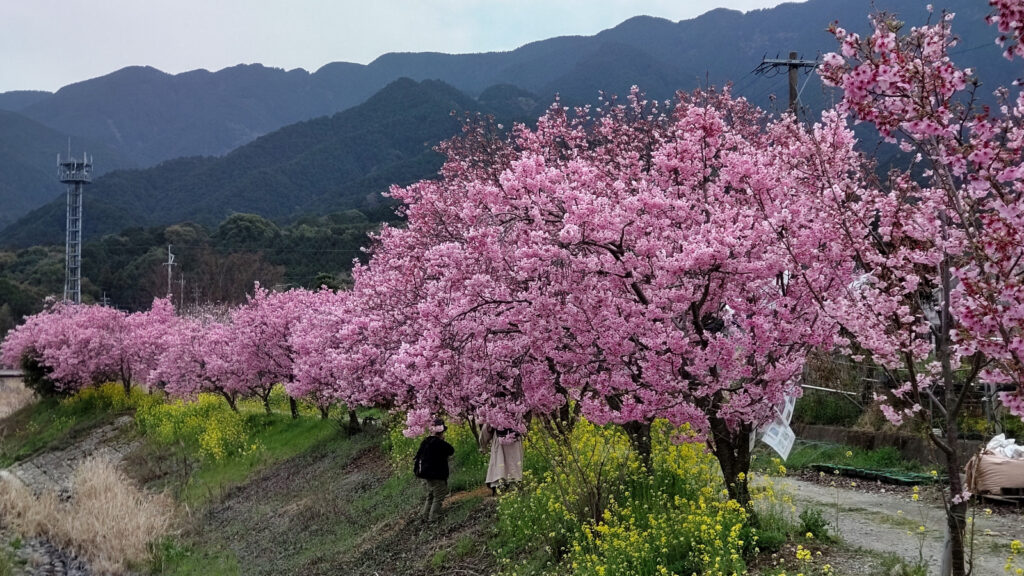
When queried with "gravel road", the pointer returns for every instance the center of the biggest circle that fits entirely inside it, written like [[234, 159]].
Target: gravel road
[[889, 523]]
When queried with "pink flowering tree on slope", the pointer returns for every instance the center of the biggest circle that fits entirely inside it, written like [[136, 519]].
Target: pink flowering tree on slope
[[85, 345], [338, 346], [199, 357], [262, 349], [312, 337], [148, 332], [79, 345], [627, 263], [940, 304]]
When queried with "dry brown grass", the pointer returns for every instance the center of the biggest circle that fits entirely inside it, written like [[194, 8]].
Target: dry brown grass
[[108, 520], [13, 398]]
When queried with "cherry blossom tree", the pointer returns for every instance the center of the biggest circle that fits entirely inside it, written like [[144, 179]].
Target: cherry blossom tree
[[79, 345], [199, 357], [336, 349], [939, 304], [627, 263], [147, 334], [262, 350]]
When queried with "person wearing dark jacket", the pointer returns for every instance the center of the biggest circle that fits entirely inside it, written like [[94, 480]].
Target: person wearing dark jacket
[[431, 464]]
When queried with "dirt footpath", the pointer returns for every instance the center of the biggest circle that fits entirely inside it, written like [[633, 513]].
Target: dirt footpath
[[889, 523]]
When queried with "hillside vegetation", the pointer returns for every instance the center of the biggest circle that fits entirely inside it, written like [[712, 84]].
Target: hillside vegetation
[[269, 494], [217, 264], [328, 164]]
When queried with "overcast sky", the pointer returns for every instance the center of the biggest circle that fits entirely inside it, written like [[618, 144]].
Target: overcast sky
[[46, 44]]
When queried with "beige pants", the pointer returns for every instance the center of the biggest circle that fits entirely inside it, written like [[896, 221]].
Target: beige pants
[[436, 491]]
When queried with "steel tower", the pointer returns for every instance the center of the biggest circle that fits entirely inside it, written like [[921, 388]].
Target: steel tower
[[76, 173]]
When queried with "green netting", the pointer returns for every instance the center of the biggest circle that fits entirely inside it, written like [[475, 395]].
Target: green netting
[[887, 476]]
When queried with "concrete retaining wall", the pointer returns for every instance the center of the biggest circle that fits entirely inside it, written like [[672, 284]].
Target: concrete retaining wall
[[11, 379]]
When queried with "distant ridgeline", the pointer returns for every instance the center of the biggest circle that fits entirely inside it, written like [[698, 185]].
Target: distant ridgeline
[[200, 147], [139, 117]]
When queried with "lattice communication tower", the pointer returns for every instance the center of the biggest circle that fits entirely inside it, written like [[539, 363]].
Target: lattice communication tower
[[76, 173]]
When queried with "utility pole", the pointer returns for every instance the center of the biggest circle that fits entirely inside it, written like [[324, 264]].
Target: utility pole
[[181, 290], [195, 294], [105, 301], [169, 264], [794, 64]]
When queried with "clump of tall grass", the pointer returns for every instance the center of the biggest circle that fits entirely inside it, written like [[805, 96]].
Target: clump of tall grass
[[13, 398], [108, 520]]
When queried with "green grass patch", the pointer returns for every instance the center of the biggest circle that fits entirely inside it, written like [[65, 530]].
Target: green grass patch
[[804, 454], [337, 506], [53, 423], [272, 439], [173, 557]]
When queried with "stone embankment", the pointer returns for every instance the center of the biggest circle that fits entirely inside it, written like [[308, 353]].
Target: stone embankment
[[53, 471]]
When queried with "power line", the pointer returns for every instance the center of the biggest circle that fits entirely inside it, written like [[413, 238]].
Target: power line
[[793, 64]]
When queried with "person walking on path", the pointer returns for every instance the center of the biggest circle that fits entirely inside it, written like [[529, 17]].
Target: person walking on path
[[431, 464], [506, 463]]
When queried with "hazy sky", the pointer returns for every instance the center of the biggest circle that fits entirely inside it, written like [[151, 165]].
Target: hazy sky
[[46, 44]]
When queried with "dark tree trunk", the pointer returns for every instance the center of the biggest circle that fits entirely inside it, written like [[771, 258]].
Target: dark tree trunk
[[294, 406], [640, 439], [956, 512], [325, 410], [266, 403], [231, 401], [127, 383], [353, 421], [732, 450]]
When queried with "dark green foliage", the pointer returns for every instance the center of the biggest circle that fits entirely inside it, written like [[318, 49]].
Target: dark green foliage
[[37, 377], [826, 408], [129, 267], [16, 301], [246, 233]]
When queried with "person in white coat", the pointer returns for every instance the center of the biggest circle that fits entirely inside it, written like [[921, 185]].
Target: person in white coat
[[506, 464]]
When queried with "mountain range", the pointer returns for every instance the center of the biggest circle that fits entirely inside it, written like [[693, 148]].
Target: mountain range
[[276, 142]]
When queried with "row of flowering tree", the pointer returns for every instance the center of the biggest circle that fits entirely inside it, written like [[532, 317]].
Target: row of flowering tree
[[626, 263], [637, 261], [241, 352], [646, 260]]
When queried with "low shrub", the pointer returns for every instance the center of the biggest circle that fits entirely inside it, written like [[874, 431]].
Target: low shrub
[[206, 427], [37, 377], [813, 522], [594, 509]]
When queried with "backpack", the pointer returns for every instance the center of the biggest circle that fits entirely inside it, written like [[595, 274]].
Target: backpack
[[418, 467]]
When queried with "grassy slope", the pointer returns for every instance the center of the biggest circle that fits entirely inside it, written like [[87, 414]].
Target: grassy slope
[[337, 507], [50, 424], [312, 501]]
